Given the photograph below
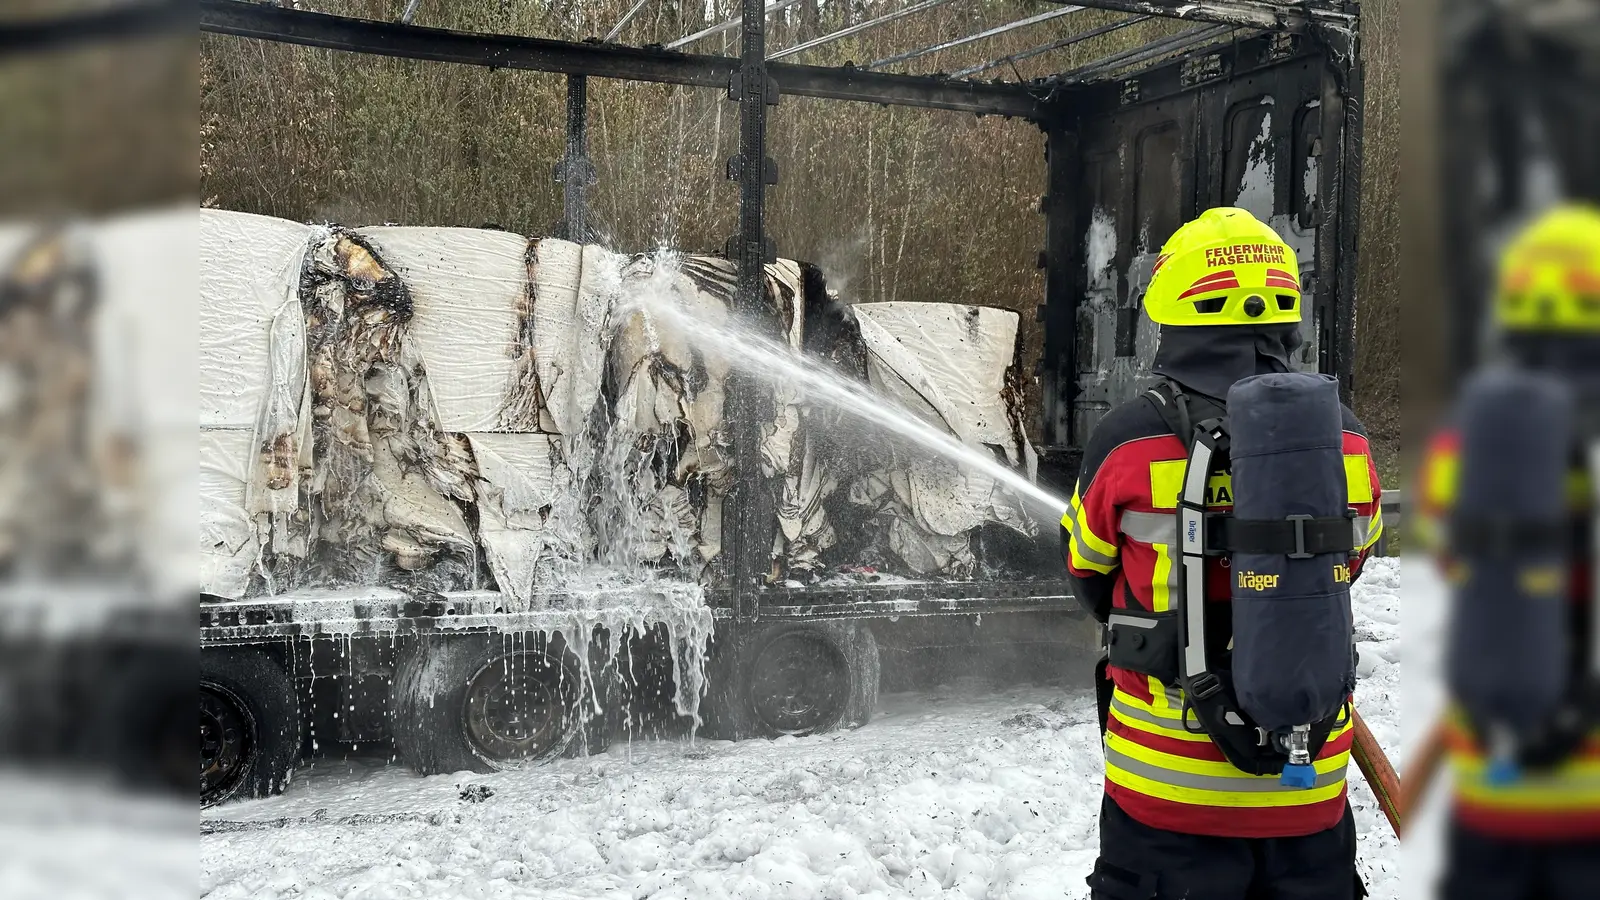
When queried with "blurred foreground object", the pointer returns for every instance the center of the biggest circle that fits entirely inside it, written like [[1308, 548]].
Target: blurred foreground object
[[1508, 492], [97, 510], [97, 656], [1420, 773], [97, 106], [1519, 114]]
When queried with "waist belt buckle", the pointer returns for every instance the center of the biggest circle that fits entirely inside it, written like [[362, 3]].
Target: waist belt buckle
[[1204, 686], [1300, 537]]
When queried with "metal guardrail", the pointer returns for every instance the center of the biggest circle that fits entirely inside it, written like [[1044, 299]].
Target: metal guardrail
[[1391, 503]]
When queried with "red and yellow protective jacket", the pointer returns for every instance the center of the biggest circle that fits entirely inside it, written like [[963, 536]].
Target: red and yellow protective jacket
[[1561, 804], [1121, 532]]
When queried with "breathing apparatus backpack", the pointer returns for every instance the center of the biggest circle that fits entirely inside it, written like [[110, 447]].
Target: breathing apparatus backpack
[[1513, 540], [1271, 697]]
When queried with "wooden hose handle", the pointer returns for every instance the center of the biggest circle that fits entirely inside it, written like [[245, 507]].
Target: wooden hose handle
[[1379, 773]]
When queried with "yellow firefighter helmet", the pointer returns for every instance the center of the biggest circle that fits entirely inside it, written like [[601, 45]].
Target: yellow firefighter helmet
[[1224, 268], [1550, 274]]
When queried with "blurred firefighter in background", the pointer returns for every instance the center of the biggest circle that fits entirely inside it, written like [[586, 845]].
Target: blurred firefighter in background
[[1200, 803], [1508, 508]]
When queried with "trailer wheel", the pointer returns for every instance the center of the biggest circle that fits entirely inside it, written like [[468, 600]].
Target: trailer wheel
[[471, 702], [796, 679], [249, 726]]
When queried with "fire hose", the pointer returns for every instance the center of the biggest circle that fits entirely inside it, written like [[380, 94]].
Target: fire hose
[[1379, 773]]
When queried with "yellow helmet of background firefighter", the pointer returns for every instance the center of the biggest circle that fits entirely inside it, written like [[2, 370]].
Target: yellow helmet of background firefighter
[[1224, 268], [1550, 275]]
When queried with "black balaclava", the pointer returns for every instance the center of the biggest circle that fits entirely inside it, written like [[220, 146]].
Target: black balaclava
[[1208, 359]]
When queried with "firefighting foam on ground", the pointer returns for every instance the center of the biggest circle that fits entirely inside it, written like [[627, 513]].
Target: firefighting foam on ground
[[968, 789]]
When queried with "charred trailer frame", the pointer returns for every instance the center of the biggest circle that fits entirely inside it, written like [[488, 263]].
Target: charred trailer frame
[[1181, 105], [1270, 122]]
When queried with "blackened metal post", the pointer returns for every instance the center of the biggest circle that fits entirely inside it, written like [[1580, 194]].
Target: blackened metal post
[[1339, 209], [748, 514], [1350, 165], [1058, 363], [575, 172]]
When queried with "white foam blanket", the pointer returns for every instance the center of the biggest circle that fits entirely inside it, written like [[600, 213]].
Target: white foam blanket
[[469, 288], [947, 363], [971, 790]]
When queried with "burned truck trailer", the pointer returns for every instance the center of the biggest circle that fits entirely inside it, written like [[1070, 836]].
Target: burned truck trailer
[[425, 451], [475, 416]]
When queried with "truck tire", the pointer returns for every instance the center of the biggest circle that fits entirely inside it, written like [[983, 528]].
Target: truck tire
[[249, 726], [474, 702], [797, 678]]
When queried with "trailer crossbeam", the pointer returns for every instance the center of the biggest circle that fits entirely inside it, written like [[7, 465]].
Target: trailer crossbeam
[[500, 51]]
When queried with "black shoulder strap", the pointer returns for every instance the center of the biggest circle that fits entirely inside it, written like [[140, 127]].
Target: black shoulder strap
[[1184, 413], [1173, 407]]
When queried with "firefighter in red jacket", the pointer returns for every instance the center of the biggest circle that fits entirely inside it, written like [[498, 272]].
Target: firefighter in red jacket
[[1536, 835], [1178, 820]]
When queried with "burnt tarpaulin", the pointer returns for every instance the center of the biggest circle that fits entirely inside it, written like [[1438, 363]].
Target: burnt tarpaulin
[[950, 364], [254, 415], [467, 287], [667, 419], [804, 477], [385, 477], [448, 408], [510, 339], [665, 435], [528, 524]]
